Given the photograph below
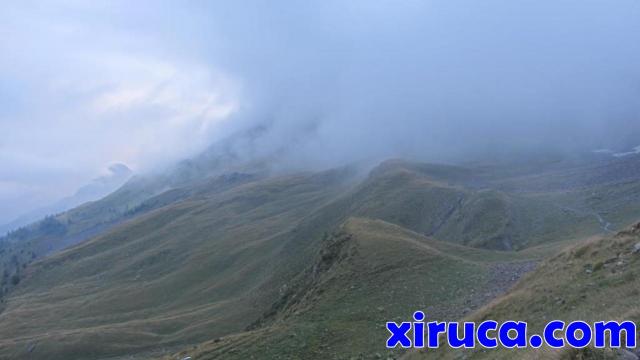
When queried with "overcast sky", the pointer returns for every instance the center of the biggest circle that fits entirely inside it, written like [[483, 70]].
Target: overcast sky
[[84, 84]]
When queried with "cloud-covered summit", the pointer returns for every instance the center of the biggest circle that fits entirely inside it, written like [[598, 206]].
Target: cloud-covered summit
[[146, 83]]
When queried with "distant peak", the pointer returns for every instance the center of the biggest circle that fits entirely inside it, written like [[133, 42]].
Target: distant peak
[[119, 169]]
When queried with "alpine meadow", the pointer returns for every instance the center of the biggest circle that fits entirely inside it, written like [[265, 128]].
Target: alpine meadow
[[291, 180]]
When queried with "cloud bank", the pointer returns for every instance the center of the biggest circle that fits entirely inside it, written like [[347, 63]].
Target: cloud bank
[[79, 91], [84, 85]]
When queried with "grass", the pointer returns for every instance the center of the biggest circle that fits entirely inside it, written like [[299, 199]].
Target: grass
[[381, 272], [476, 208], [179, 274], [306, 265], [592, 281]]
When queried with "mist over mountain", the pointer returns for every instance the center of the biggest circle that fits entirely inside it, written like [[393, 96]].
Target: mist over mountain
[[439, 81], [300, 173], [117, 175], [331, 82]]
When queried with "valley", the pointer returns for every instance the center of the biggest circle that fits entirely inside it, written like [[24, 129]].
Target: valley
[[318, 180], [241, 265]]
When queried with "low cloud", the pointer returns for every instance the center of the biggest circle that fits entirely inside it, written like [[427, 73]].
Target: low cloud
[[79, 98], [83, 84]]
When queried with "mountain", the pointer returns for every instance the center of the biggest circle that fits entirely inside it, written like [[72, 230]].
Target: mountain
[[166, 277], [117, 175], [221, 258], [221, 163], [576, 284], [366, 273]]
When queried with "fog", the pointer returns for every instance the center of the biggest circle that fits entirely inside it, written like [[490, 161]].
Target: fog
[[85, 85]]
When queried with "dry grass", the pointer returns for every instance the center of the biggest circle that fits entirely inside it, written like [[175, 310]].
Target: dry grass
[[596, 280], [382, 272], [206, 261]]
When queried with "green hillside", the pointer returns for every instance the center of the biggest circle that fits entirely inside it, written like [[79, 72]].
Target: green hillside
[[183, 273], [593, 281], [218, 167], [473, 207], [366, 273], [307, 265], [56, 232]]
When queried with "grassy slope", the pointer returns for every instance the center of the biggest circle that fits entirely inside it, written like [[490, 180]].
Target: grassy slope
[[138, 196], [420, 197], [593, 281], [367, 273], [467, 207], [183, 273], [21, 247], [212, 264]]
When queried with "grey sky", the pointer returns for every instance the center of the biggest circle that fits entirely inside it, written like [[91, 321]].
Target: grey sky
[[86, 84]]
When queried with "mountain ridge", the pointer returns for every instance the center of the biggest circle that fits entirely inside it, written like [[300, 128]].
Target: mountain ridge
[[235, 254]]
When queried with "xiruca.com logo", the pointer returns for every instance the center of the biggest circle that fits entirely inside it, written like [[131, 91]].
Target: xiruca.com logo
[[510, 334]]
